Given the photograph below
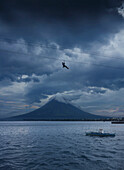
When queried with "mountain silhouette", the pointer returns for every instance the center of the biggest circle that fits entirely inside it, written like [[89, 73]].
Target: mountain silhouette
[[56, 110]]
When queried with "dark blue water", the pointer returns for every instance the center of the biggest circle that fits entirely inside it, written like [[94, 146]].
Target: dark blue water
[[59, 146]]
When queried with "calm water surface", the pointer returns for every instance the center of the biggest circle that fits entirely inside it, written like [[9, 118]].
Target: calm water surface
[[60, 146]]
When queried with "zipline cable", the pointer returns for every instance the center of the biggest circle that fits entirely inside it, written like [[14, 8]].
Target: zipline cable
[[53, 58], [29, 43]]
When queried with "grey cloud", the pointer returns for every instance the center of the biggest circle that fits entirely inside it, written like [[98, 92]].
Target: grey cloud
[[83, 72], [15, 62]]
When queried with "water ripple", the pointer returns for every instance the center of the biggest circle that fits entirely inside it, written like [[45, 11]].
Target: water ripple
[[59, 146]]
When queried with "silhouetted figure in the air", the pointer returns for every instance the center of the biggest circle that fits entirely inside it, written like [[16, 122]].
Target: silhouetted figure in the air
[[63, 64]]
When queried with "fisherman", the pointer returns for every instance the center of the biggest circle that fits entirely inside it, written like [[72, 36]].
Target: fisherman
[[63, 64]]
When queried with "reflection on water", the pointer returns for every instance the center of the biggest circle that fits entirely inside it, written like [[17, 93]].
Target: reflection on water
[[60, 145]]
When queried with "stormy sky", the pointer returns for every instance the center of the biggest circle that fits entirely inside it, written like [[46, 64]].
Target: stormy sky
[[37, 35]]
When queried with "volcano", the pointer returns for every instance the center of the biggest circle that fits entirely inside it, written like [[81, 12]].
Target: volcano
[[56, 110]]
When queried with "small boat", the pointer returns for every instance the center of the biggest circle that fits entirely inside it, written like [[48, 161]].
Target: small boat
[[100, 134], [117, 122]]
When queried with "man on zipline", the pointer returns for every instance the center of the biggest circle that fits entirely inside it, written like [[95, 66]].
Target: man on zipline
[[63, 64]]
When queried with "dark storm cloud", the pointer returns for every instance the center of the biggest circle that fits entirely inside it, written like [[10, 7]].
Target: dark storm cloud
[[26, 60], [61, 9], [66, 22]]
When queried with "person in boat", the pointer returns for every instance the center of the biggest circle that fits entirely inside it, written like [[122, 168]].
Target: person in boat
[[63, 64]]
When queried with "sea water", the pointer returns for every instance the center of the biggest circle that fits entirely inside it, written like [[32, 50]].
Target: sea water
[[59, 145]]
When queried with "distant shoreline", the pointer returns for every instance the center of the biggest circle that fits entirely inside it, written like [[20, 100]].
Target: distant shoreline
[[104, 120]]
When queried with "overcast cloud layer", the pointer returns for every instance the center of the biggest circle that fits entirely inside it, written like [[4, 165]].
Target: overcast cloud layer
[[36, 36]]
